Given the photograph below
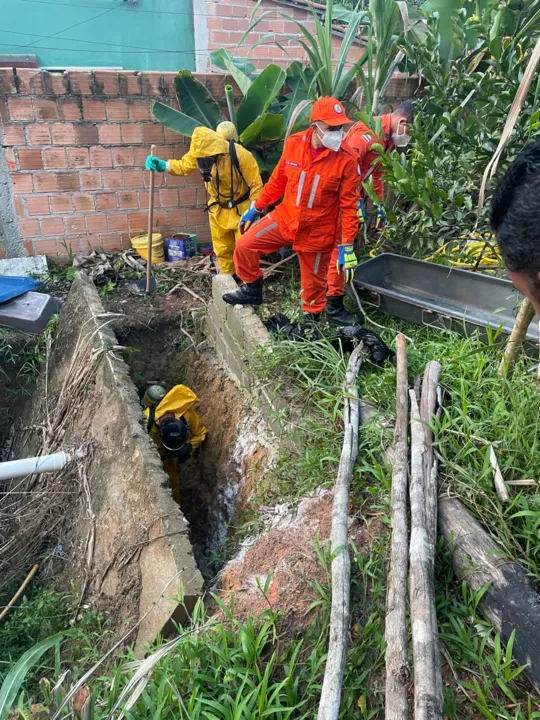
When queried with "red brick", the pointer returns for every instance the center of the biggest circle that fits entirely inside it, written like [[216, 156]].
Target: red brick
[[138, 221], [81, 82], [169, 198], [75, 225], [63, 134], [47, 247], [96, 223], [38, 205], [78, 157], [29, 228], [86, 134], [133, 178], [152, 133], [196, 216], [45, 182], [139, 155], [176, 181], [128, 200], [30, 159], [93, 109], [106, 82], [38, 134], [170, 136], [106, 201], [84, 203], [100, 157], [177, 218], [61, 204], [54, 158], [110, 242], [139, 109], [20, 109], [117, 109], [11, 162], [52, 226], [58, 82], [112, 179], [21, 183], [133, 83], [19, 206], [109, 134], [29, 81], [91, 180], [132, 133], [45, 109], [118, 222], [69, 109], [68, 181], [122, 157], [202, 197], [214, 23], [12, 135], [188, 197], [28, 245], [151, 83]]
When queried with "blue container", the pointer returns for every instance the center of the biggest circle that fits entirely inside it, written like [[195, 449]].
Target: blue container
[[181, 246]]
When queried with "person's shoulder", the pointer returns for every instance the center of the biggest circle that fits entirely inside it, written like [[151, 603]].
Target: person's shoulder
[[360, 135], [243, 152]]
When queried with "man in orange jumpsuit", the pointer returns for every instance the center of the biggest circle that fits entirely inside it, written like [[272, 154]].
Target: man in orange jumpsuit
[[361, 139], [318, 179]]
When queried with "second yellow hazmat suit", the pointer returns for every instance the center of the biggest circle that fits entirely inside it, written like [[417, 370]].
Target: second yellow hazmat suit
[[178, 402], [230, 192]]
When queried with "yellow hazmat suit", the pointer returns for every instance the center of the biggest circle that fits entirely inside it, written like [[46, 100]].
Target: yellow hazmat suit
[[226, 188], [179, 401]]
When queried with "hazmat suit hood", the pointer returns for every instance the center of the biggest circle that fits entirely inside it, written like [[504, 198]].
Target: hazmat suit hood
[[206, 142]]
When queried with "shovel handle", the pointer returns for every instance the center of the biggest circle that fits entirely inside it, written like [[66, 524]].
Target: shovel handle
[[150, 225]]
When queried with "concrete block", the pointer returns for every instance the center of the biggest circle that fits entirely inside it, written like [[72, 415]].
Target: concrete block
[[222, 284], [25, 266], [255, 334], [236, 320]]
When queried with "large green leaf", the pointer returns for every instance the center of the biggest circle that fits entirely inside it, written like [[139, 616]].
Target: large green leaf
[[264, 128], [174, 120], [260, 95], [242, 70], [444, 8], [17, 675], [195, 100]]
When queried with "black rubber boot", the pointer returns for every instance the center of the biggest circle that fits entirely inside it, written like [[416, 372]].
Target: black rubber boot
[[247, 294], [336, 313]]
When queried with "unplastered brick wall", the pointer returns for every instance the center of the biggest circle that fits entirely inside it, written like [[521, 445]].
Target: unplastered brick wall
[[73, 150], [228, 21]]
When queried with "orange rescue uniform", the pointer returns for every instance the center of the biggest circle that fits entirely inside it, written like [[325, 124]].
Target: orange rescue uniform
[[315, 192], [360, 139]]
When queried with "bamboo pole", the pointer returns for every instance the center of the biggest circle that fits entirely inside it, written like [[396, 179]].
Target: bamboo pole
[[150, 225], [521, 325], [19, 592], [428, 405], [428, 701], [341, 563], [397, 664]]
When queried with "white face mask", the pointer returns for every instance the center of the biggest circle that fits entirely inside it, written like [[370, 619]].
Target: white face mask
[[401, 140], [331, 139]]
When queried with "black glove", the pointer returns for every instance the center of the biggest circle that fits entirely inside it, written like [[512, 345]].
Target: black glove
[[185, 452]]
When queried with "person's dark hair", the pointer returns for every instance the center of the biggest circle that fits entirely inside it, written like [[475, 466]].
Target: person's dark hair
[[405, 109], [515, 212]]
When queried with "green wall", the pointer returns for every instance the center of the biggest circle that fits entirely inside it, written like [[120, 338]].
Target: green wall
[[146, 35]]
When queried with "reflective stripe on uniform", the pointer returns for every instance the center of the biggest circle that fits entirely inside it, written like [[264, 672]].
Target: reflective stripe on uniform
[[317, 261], [300, 186], [313, 191], [262, 232]]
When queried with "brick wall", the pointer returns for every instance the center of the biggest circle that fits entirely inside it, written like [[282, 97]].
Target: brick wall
[[74, 145], [228, 21]]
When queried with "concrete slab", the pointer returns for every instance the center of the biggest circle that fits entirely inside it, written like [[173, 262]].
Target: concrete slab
[[25, 266]]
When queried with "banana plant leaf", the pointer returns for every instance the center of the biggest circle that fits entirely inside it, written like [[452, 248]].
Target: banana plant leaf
[[444, 8], [268, 159], [195, 100], [174, 120], [265, 128], [241, 69], [260, 95]]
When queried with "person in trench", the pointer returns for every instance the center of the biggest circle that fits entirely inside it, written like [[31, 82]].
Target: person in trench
[[232, 179], [175, 427]]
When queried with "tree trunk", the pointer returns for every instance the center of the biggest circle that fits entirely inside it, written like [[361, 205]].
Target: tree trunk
[[341, 564], [510, 602], [515, 341], [397, 663]]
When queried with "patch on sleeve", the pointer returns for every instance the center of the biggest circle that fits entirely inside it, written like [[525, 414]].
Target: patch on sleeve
[[290, 162], [367, 137]]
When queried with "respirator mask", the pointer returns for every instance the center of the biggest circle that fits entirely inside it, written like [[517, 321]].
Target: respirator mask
[[402, 139], [205, 166], [331, 139]]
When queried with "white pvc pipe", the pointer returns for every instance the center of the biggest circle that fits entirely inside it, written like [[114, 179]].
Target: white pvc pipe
[[32, 466]]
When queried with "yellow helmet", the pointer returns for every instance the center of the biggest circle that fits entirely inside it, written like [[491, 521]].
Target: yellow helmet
[[227, 130]]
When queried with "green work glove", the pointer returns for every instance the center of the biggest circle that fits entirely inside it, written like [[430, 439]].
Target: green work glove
[[155, 163]]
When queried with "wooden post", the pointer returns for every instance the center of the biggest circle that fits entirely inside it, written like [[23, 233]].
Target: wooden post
[[428, 405], [397, 663], [150, 225], [515, 341], [428, 701], [341, 564], [509, 602]]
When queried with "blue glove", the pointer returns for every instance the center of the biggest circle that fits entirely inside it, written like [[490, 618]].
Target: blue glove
[[249, 217], [347, 261], [380, 217], [361, 211], [154, 163]]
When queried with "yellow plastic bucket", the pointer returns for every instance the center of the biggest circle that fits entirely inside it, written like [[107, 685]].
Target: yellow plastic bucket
[[140, 244]]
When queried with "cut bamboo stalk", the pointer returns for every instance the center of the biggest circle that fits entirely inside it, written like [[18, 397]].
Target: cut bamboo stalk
[[19, 592], [498, 480], [341, 563], [397, 663], [428, 701], [515, 341]]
